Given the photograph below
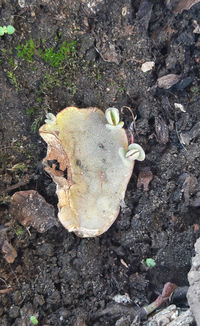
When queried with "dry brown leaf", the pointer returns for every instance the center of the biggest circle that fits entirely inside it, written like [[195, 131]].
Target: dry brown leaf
[[7, 249], [168, 81], [9, 252], [144, 178]]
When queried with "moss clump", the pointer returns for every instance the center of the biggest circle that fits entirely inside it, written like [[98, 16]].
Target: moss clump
[[56, 58], [27, 50]]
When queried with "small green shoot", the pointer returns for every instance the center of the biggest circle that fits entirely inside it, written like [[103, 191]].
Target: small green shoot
[[150, 262], [50, 118], [19, 167], [112, 116], [19, 231], [6, 30], [135, 152], [33, 320]]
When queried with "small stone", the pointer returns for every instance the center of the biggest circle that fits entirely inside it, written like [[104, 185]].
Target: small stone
[[179, 106], [148, 65]]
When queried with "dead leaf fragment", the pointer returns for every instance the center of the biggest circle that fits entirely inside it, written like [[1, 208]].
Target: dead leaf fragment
[[161, 129], [189, 187], [9, 252], [7, 249], [168, 81], [31, 209], [144, 178]]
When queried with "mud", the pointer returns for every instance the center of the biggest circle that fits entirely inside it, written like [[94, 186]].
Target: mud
[[58, 277]]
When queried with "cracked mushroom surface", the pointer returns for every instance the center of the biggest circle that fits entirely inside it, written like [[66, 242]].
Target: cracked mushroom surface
[[83, 160]]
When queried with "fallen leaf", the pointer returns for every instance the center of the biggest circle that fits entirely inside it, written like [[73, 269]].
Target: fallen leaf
[[168, 81], [144, 178], [31, 209], [7, 249]]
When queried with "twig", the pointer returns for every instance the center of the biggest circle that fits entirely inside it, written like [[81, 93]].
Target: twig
[[3, 291]]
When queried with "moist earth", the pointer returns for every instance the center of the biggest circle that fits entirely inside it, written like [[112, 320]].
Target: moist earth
[[90, 53]]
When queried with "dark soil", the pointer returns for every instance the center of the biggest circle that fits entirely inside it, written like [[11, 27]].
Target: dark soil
[[57, 276]]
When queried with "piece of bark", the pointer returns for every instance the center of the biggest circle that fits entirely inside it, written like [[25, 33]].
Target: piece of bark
[[161, 129], [184, 5], [168, 81], [31, 209], [144, 14], [187, 136], [166, 107], [144, 178]]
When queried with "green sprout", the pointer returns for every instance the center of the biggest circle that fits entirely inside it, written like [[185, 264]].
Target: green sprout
[[33, 320], [50, 118], [135, 152], [19, 167], [6, 30], [112, 116], [150, 262]]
